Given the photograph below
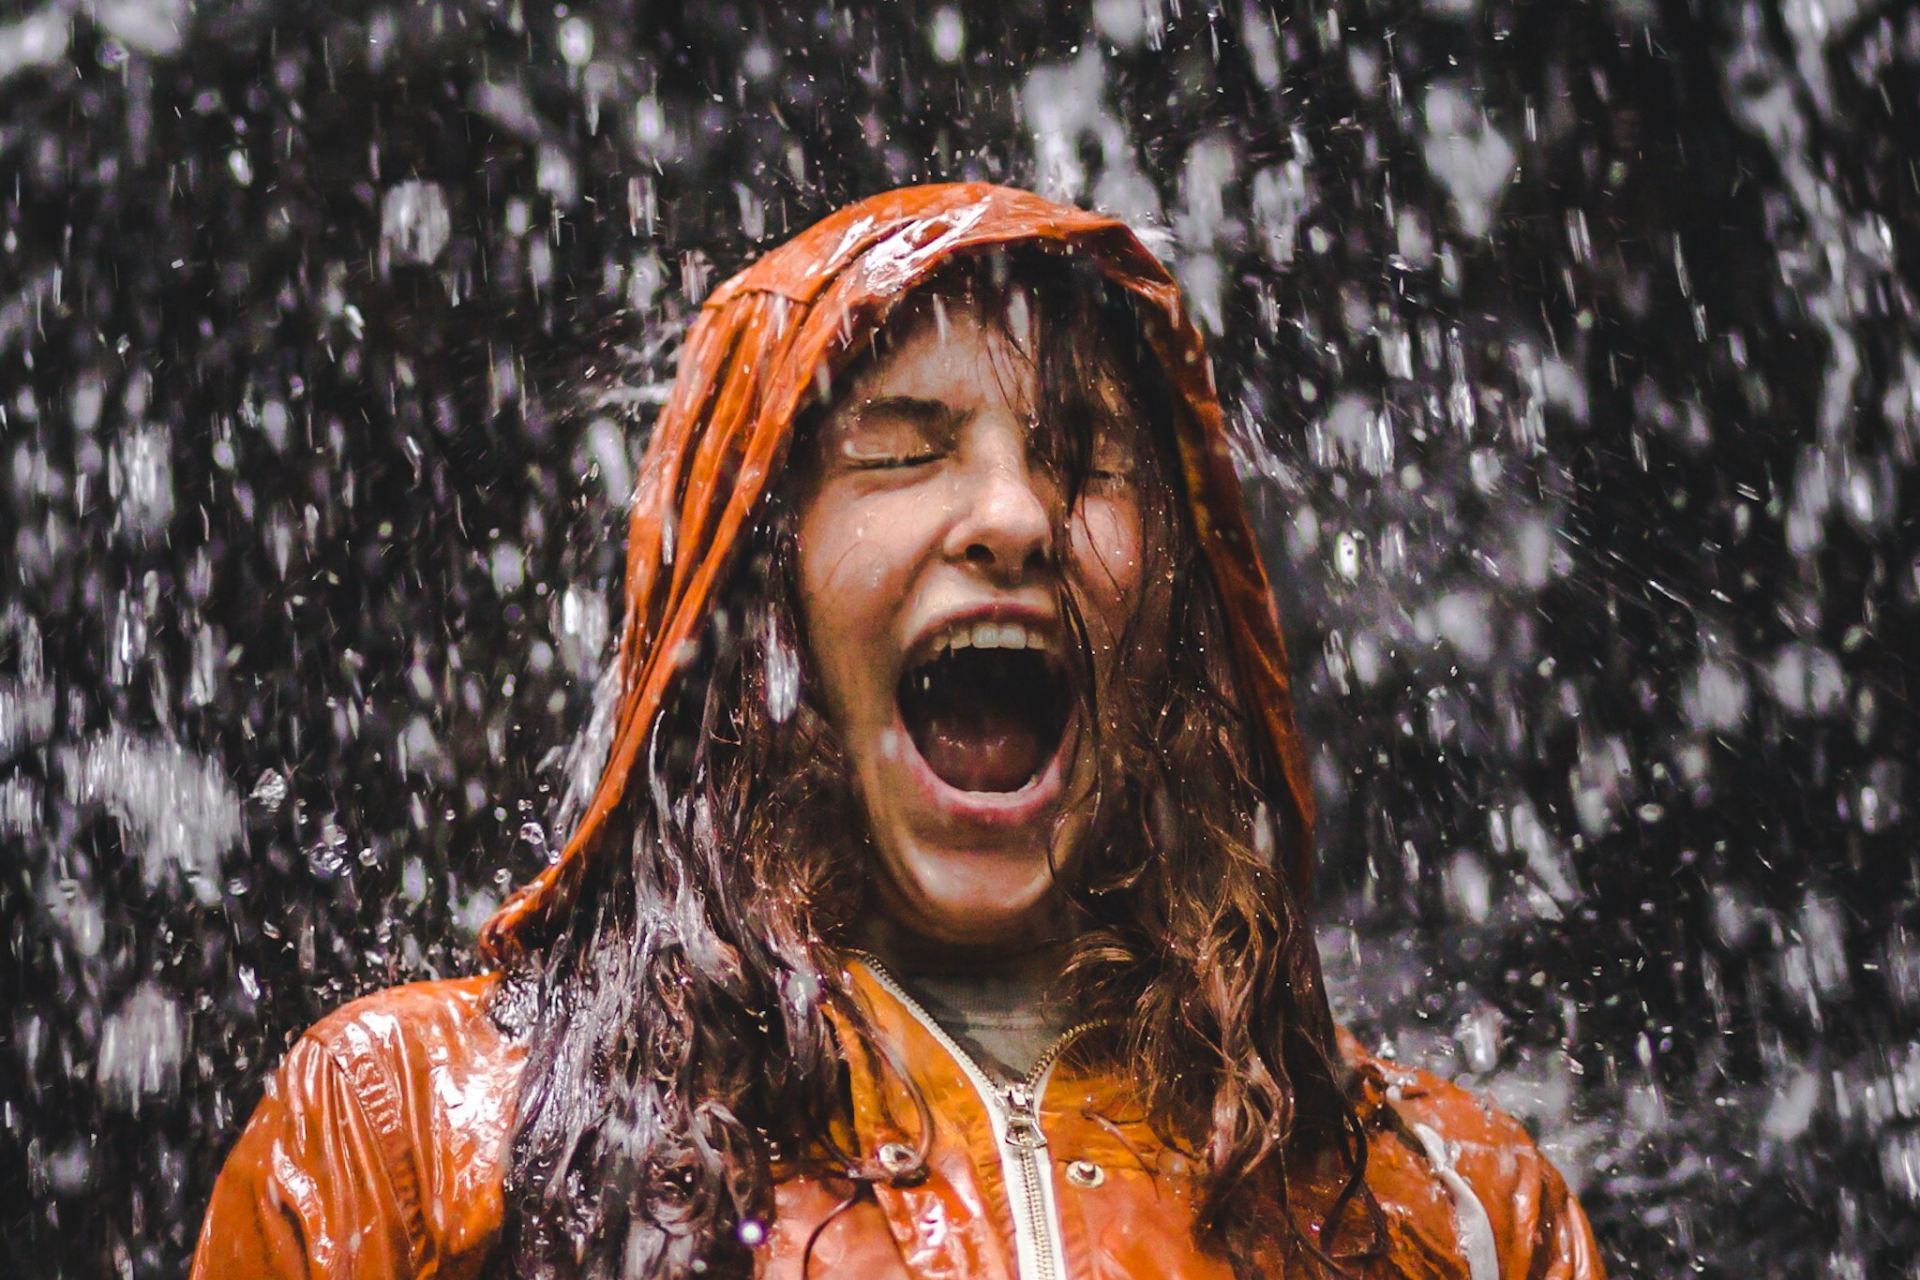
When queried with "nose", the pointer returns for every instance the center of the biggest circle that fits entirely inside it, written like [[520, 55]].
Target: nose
[[1005, 525]]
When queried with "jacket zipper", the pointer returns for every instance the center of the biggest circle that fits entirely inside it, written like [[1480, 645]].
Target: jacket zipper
[[1014, 1110]]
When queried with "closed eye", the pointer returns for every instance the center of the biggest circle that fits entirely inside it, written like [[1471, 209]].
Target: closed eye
[[896, 433], [894, 462]]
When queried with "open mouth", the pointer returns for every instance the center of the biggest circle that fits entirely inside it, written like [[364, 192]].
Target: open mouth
[[987, 707]]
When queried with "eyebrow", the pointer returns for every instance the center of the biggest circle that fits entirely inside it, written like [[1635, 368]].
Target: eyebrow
[[915, 409]]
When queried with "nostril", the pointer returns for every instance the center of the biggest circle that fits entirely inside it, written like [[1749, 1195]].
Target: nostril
[[1035, 560]]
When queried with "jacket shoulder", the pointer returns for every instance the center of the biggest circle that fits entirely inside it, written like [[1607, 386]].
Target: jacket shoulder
[[378, 1146], [1512, 1214], [446, 1024]]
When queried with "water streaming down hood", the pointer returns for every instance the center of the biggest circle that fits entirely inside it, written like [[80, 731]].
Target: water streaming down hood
[[750, 363]]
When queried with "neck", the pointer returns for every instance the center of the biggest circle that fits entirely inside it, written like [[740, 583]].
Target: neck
[[911, 952]]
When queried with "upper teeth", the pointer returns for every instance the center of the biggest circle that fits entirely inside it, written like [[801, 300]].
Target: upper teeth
[[991, 635]]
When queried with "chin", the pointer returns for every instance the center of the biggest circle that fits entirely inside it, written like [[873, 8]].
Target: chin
[[976, 898]]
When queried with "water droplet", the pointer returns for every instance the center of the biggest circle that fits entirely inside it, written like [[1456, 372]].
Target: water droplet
[[141, 1048], [415, 223], [576, 41], [269, 791], [783, 675]]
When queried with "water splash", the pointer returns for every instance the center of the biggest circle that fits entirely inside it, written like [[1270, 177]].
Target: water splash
[[175, 810]]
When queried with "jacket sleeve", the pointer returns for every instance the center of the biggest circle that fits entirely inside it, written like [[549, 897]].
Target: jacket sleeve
[[1514, 1217], [306, 1192], [1563, 1246], [1539, 1230]]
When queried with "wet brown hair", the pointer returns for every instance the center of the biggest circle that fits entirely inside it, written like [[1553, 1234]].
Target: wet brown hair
[[680, 1043]]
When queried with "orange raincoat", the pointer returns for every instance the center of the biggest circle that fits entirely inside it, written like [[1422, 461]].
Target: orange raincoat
[[379, 1148]]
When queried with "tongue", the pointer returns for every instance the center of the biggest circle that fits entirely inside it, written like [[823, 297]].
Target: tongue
[[981, 748]]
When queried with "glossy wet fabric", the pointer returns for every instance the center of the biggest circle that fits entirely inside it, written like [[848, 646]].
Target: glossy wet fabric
[[751, 361], [378, 1151]]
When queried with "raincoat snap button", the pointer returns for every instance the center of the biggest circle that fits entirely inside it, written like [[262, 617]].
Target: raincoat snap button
[[897, 1158], [1085, 1173]]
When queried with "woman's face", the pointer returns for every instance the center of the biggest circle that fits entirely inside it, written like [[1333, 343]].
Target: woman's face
[[928, 579]]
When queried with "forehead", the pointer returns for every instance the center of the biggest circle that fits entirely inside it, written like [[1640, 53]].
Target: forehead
[[949, 349]]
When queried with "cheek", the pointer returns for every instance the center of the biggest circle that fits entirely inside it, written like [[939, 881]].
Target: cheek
[[831, 614], [852, 569], [1108, 558], [852, 554]]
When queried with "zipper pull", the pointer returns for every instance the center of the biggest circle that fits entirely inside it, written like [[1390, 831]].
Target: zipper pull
[[1023, 1122]]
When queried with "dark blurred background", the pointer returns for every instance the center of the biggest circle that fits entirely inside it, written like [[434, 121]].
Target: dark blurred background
[[1573, 354]]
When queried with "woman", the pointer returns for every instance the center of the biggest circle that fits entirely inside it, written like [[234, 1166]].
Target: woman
[[936, 911]]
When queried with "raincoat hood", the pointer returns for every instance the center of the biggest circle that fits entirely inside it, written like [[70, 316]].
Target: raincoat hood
[[749, 365]]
